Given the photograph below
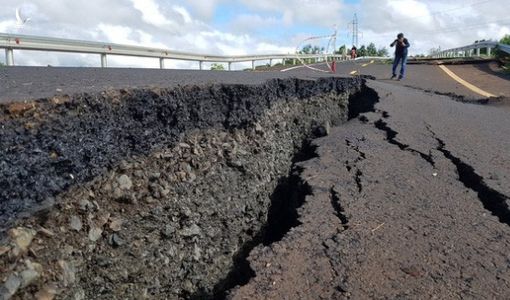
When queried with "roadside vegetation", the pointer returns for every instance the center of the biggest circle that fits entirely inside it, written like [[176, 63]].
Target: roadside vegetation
[[504, 57], [363, 50], [217, 67]]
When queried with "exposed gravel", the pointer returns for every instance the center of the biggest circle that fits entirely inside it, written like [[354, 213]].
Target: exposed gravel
[[149, 193]]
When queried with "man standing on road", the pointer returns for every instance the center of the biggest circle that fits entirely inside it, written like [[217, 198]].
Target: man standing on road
[[401, 44], [354, 52]]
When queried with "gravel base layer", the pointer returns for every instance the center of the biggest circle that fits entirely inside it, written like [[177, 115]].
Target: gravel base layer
[[155, 193]]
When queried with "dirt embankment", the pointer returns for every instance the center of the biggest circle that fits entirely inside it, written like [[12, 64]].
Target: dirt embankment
[[151, 193]]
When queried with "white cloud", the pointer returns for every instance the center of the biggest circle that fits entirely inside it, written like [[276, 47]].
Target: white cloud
[[432, 24], [188, 25], [151, 12], [271, 48], [7, 26], [155, 23], [203, 9], [183, 12], [324, 13], [253, 22]]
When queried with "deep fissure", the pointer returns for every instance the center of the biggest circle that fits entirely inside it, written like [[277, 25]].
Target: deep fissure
[[362, 101], [288, 196], [183, 132], [286, 199], [492, 200]]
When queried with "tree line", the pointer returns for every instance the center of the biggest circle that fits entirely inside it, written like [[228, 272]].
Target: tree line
[[370, 50]]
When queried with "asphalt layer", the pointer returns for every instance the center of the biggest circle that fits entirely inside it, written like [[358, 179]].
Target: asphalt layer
[[48, 149], [29, 83]]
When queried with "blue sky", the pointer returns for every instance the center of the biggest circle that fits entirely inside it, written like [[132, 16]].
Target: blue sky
[[249, 27]]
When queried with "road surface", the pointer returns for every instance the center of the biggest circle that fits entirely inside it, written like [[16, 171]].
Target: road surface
[[410, 202], [27, 83]]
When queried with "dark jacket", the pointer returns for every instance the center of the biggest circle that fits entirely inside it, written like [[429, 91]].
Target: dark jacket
[[401, 50]]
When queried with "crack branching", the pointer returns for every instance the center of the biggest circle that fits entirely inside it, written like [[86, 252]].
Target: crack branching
[[339, 210], [392, 134], [361, 156], [492, 200]]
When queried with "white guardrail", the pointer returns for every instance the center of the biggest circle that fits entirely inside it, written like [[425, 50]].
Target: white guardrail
[[472, 50], [11, 42]]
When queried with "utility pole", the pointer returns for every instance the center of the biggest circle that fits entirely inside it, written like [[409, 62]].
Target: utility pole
[[355, 31]]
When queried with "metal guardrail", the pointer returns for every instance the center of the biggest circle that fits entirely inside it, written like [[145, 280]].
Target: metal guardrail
[[11, 42], [473, 49]]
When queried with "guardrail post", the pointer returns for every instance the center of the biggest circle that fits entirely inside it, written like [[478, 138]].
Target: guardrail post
[[253, 65], [200, 65], [477, 51], [104, 61], [230, 66], [294, 61], [9, 57], [488, 51], [271, 62], [161, 63]]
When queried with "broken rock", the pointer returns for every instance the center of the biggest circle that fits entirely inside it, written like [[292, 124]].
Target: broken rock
[[124, 182], [22, 237]]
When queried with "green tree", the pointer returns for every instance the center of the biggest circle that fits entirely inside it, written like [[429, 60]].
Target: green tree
[[309, 49], [371, 50], [342, 50], [217, 67], [362, 51], [501, 54], [382, 52], [505, 40]]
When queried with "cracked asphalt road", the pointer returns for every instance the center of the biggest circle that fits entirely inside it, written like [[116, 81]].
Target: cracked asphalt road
[[409, 201], [407, 204]]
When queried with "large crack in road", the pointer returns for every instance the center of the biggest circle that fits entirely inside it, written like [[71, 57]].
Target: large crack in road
[[399, 224], [220, 192], [161, 192]]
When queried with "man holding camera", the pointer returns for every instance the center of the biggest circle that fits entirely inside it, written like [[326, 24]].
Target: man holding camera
[[401, 44]]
